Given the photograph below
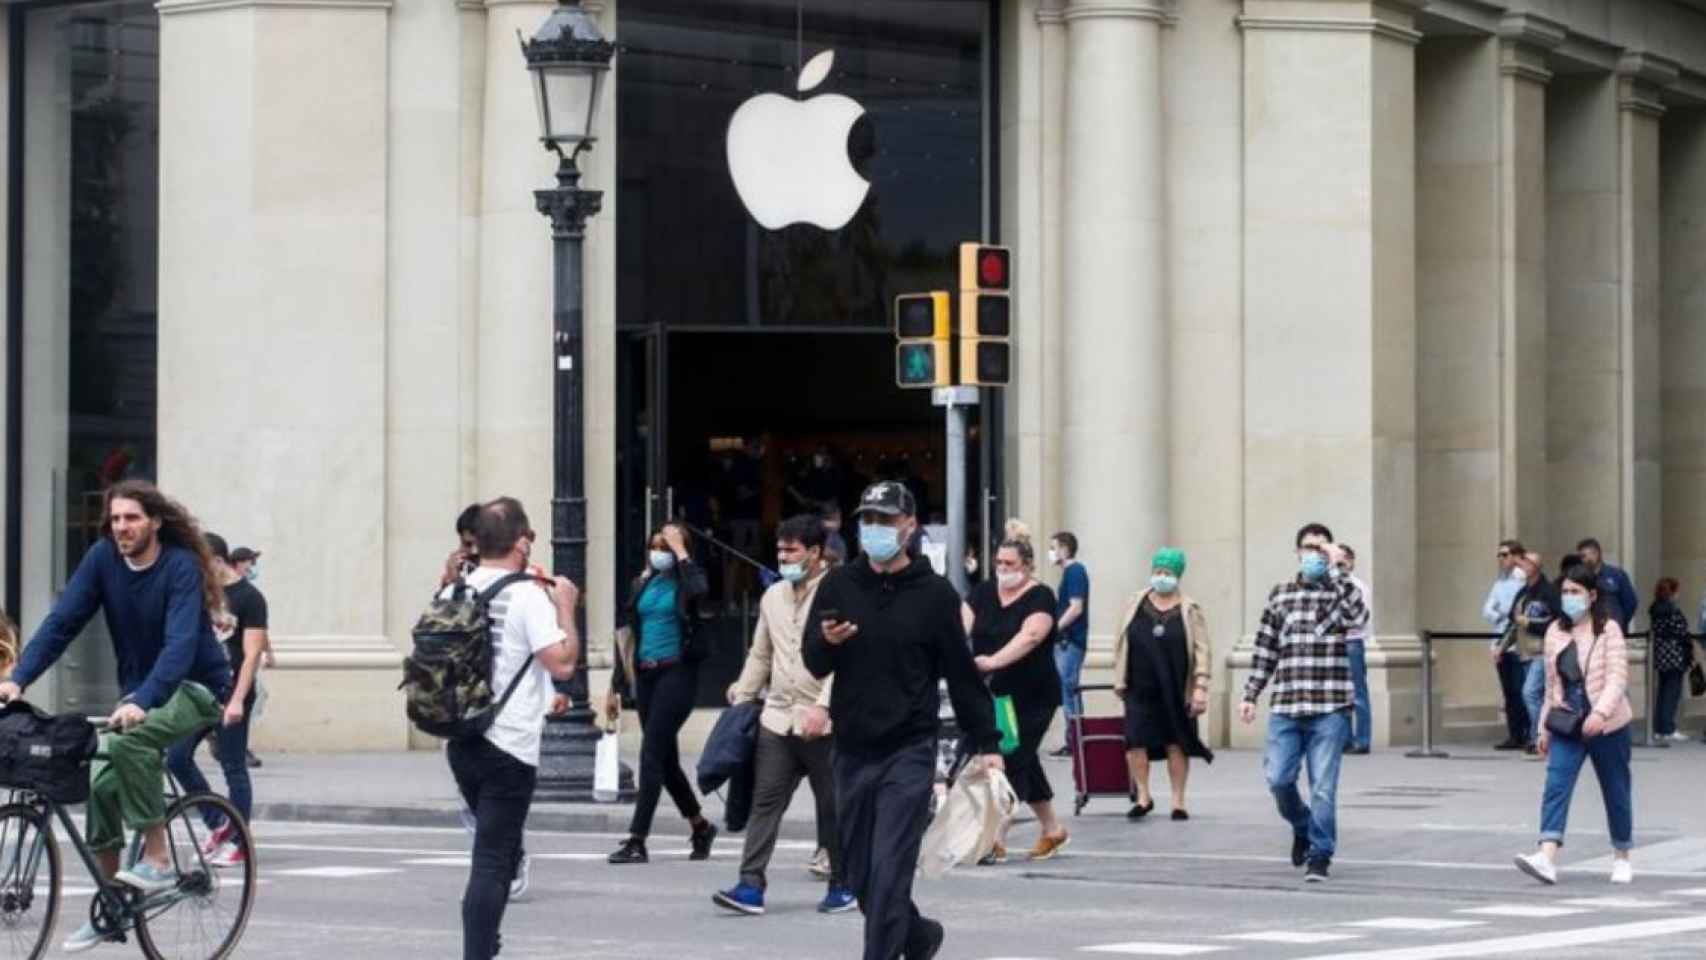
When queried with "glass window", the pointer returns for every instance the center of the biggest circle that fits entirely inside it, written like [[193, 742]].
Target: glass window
[[691, 255], [90, 165]]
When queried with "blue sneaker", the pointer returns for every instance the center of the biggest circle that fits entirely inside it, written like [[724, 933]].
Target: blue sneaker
[[85, 939], [743, 897], [148, 878], [838, 900]]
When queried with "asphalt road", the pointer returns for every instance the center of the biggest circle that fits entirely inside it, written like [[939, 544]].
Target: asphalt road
[[1423, 872]]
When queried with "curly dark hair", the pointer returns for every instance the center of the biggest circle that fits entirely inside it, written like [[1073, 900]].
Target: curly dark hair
[[177, 526]]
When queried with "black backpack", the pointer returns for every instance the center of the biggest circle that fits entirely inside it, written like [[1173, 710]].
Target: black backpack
[[447, 678], [47, 754]]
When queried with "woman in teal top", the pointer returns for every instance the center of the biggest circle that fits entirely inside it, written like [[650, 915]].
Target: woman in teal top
[[662, 678]]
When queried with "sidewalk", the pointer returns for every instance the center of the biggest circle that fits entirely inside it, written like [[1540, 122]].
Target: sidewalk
[[1475, 789]]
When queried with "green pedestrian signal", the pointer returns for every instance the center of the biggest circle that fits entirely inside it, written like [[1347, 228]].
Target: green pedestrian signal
[[923, 325]]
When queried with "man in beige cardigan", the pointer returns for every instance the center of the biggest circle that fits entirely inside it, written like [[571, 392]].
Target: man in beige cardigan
[[793, 734]]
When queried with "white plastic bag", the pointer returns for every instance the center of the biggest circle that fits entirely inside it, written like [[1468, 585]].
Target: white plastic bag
[[976, 811], [607, 768]]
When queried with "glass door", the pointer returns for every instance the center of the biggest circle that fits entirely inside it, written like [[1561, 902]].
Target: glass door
[[644, 499]]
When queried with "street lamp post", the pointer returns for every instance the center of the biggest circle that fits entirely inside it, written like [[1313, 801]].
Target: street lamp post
[[569, 60]]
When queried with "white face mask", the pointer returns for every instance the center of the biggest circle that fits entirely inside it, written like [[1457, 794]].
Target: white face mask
[[1010, 579], [1053, 557]]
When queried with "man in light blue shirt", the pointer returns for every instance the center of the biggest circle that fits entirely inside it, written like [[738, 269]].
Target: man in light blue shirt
[[1507, 660]]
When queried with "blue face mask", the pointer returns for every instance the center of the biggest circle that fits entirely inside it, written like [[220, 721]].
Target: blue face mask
[[880, 543], [1164, 583], [662, 560], [1313, 566], [793, 572], [252, 574], [1575, 605]]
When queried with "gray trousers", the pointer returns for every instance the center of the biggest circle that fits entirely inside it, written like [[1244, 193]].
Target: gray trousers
[[779, 763]]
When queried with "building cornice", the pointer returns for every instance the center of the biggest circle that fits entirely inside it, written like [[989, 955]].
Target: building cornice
[[1641, 79], [1379, 28], [172, 7], [1530, 30]]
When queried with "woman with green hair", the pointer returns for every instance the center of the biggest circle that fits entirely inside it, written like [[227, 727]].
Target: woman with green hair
[[1162, 672]]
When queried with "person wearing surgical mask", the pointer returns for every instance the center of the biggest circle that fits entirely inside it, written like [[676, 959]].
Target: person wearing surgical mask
[[1011, 623], [1585, 716], [1163, 670], [1300, 657], [658, 665]]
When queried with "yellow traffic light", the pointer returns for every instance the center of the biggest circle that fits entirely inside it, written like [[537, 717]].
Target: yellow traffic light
[[924, 325], [985, 315]]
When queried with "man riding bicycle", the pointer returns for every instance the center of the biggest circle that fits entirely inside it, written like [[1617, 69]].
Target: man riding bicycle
[[150, 573]]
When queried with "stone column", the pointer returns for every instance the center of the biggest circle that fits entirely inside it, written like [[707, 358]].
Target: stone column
[[1330, 311], [1524, 42], [1205, 244], [1033, 72], [273, 348], [1640, 77], [1682, 166], [1114, 347]]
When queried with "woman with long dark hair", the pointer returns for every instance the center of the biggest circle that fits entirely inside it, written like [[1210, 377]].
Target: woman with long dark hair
[[1010, 619], [657, 664], [1585, 717], [1672, 655]]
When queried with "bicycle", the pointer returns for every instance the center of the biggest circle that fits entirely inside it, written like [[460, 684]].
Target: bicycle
[[193, 920]]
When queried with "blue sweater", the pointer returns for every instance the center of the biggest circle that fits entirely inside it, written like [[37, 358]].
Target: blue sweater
[[161, 632]]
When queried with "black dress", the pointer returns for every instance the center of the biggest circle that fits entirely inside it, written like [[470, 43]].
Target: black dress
[[1032, 682], [1157, 661]]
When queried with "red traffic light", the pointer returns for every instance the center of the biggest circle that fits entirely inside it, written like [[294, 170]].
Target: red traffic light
[[992, 267], [984, 267]]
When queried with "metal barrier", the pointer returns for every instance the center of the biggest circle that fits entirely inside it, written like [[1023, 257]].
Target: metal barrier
[[1428, 751]]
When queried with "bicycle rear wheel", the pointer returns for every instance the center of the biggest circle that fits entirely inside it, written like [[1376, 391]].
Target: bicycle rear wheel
[[204, 916], [29, 900]]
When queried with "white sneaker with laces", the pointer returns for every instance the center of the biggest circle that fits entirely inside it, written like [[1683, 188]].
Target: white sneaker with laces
[[216, 839], [1622, 872], [523, 878], [84, 939], [226, 857], [148, 878], [1539, 866]]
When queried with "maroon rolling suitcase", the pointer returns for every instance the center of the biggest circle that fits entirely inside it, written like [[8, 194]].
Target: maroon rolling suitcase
[[1098, 757]]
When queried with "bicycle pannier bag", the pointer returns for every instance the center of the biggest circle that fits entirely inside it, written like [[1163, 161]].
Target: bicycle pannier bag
[[45, 753]]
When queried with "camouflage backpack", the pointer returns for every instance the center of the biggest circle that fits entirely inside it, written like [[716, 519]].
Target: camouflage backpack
[[447, 678]]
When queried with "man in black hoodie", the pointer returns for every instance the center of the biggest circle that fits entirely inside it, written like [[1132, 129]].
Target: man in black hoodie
[[889, 628]]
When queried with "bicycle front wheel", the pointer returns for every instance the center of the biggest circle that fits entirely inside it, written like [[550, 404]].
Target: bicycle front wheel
[[29, 881], [204, 915]]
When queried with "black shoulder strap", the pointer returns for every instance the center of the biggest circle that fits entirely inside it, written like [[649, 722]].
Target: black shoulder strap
[[514, 682], [504, 583], [486, 597]]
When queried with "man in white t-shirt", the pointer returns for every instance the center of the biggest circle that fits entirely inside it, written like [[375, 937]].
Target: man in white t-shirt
[[496, 772]]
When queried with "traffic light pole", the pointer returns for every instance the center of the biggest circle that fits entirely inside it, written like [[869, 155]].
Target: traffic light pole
[[958, 402]]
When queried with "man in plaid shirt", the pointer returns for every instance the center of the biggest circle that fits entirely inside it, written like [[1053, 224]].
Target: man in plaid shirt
[[1300, 649]]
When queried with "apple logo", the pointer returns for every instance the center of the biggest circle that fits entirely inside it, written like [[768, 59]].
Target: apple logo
[[789, 159]]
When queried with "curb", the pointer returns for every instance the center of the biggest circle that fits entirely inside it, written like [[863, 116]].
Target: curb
[[541, 818]]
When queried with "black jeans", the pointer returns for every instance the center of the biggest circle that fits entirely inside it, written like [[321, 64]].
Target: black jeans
[[882, 804], [778, 764], [498, 788], [1512, 671], [1669, 699], [665, 700]]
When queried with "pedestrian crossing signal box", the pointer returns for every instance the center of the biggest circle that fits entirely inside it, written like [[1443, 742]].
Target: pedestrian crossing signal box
[[985, 315], [923, 324]]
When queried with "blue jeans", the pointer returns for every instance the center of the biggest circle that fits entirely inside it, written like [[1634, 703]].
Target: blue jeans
[[1610, 755], [1533, 692], [1318, 739], [233, 760], [1362, 719], [1069, 662]]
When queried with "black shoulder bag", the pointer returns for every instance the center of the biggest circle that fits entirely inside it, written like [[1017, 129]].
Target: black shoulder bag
[[1564, 720]]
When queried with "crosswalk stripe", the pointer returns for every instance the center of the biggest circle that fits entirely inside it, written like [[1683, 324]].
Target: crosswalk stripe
[[1524, 911], [1139, 949], [1689, 892], [1414, 923], [336, 873], [1529, 944], [1617, 903], [1292, 936]]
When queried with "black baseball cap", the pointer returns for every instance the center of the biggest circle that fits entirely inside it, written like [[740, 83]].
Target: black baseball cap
[[216, 544], [889, 499], [244, 554]]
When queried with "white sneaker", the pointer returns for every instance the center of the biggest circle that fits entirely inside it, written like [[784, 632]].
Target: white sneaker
[[1539, 866], [1622, 871], [523, 878], [226, 857], [84, 939]]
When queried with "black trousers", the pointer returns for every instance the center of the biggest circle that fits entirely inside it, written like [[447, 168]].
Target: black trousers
[[779, 763], [1512, 671], [498, 788], [882, 804], [665, 700]]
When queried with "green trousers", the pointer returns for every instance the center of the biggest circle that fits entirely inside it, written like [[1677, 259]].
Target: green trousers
[[126, 788]]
